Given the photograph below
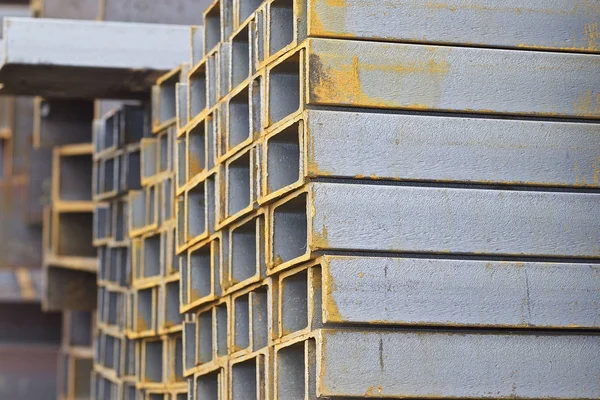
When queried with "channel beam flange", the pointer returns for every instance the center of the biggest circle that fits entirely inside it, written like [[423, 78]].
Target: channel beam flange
[[472, 365], [328, 144], [563, 25], [409, 219], [64, 58]]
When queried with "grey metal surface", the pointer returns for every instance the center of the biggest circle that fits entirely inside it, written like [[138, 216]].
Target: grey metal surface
[[87, 59], [70, 9], [14, 10], [458, 79], [570, 25], [430, 148], [457, 365], [446, 220], [412, 291], [20, 244], [185, 12], [21, 139], [39, 184]]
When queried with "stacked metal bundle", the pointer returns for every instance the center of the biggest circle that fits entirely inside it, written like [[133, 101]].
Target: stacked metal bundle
[[154, 320], [63, 128], [117, 137], [370, 205]]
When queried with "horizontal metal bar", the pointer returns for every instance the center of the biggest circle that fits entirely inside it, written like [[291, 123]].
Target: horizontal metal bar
[[457, 365], [81, 50], [434, 78], [409, 219], [429, 148], [459, 293], [560, 25]]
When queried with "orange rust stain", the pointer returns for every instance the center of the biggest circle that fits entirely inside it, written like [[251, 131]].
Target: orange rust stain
[[336, 3], [277, 260], [588, 104], [331, 312], [141, 324], [374, 391], [592, 35]]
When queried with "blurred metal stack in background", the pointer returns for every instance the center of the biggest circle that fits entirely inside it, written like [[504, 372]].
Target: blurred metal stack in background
[[29, 339], [117, 137]]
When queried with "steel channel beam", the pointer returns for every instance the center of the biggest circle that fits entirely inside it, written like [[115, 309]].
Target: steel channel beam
[[569, 25], [184, 12], [408, 219], [60, 58], [458, 293], [328, 144], [457, 365], [69, 289], [330, 72]]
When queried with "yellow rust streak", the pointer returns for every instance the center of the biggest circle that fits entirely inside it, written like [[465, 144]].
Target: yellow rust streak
[[592, 35], [588, 104], [25, 284], [342, 82], [331, 312]]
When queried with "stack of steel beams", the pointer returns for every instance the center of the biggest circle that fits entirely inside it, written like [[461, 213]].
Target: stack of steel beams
[[154, 320], [63, 146], [70, 260], [76, 358], [371, 205], [116, 171]]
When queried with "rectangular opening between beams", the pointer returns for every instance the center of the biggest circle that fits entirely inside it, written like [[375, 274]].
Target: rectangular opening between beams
[[284, 88], [290, 238], [283, 158]]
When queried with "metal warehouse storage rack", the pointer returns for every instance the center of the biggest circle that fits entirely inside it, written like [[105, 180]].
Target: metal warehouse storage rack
[[65, 124]]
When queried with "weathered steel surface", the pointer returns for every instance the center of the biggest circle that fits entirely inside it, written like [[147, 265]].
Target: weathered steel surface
[[570, 25], [457, 365], [452, 149], [184, 12], [438, 220], [431, 148], [70, 9], [39, 184], [409, 291], [68, 289], [20, 244], [21, 138], [459, 79], [59, 58]]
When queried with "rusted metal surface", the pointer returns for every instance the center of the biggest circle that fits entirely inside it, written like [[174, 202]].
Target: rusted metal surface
[[457, 365], [21, 243]]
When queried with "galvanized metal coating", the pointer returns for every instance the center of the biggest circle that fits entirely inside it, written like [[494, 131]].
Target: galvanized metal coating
[[459, 79], [570, 25], [404, 364], [443, 220]]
